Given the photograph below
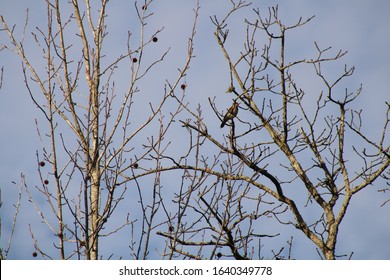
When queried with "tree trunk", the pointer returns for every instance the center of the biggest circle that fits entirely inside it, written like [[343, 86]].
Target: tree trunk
[[95, 168]]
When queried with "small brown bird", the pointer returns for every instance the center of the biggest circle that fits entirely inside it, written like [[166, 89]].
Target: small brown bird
[[231, 113]]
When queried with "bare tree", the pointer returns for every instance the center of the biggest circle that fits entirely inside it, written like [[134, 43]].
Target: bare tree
[[90, 129], [280, 151], [287, 150]]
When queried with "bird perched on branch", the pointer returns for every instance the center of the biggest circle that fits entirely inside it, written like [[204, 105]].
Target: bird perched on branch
[[231, 113]]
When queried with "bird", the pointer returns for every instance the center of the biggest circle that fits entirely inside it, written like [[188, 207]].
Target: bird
[[231, 113]]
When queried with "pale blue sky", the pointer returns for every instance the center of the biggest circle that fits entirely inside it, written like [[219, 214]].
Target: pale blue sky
[[361, 27]]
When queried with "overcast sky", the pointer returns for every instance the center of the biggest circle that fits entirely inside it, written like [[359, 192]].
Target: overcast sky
[[361, 27]]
